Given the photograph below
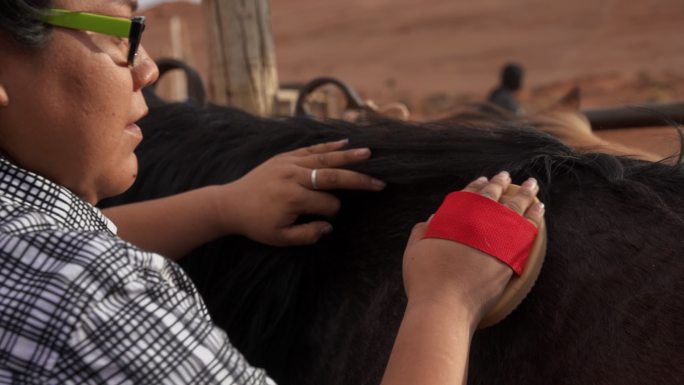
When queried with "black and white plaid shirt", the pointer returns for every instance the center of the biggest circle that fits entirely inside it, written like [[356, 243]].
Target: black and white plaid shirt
[[78, 305]]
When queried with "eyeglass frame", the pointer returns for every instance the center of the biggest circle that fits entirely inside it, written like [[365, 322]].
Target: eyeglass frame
[[131, 29]]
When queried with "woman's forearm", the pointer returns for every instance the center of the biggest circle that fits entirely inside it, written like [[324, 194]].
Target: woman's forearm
[[432, 345], [171, 226]]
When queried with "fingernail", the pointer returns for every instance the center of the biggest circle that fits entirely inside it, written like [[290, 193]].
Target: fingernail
[[540, 207], [531, 183], [343, 141], [378, 183], [327, 229], [504, 174], [481, 179], [362, 152]]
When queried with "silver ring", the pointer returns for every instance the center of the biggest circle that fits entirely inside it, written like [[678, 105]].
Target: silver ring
[[313, 179]]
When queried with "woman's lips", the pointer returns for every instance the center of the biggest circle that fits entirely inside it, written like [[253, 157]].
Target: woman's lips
[[134, 129]]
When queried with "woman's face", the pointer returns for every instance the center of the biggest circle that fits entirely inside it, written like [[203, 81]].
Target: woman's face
[[72, 105]]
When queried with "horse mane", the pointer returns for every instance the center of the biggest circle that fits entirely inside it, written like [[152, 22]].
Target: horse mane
[[611, 287]]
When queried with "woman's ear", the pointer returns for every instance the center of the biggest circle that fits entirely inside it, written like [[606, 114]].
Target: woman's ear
[[4, 47], [4, 98]]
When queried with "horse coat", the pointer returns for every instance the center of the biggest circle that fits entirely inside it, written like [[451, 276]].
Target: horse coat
[[607, 308]]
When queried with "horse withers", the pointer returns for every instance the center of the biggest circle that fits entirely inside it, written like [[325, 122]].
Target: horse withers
[[607, 308]]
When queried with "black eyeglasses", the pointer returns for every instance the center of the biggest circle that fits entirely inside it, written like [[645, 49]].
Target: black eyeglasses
[[108, 25]]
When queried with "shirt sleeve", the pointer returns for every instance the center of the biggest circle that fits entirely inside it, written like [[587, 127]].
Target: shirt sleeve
[[151, 331]]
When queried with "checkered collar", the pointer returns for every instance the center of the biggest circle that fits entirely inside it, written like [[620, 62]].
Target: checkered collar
[[28, 189]]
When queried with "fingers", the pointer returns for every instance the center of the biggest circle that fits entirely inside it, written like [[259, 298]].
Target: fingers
[[321, 148], [535, 211], [335, 178], [535, 214], [324, 158], [306, 233], [476, 185], [318, 203], [523, 201], [335, 158], [496, 186]]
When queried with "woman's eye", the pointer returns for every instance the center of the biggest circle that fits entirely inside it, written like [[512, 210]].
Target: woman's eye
[[120, 48], [121, 41]]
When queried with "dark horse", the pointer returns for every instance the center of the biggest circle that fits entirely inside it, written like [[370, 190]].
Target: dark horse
[[608, 307]]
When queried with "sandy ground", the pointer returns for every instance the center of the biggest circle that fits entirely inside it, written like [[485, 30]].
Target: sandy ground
[[436, 54]]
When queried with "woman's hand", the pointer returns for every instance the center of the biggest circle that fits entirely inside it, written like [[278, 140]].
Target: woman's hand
[[265, 204], [446, 271], [450, 287]]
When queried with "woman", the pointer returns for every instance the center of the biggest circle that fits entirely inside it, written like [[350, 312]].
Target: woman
[[83, 305]]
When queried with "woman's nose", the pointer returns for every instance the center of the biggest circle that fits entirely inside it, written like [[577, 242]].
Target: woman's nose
[[145, 71]]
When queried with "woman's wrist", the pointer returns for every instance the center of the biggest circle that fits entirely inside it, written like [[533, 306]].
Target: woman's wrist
[[432, 344], [226, 213], [452, 305]]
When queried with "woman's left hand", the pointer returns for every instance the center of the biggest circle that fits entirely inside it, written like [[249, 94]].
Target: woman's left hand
[[264, 204]]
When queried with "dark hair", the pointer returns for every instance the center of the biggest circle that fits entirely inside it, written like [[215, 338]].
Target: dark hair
[[20, 19], [511, 76]]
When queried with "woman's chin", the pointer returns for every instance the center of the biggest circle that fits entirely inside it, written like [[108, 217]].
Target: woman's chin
[[122, 182]]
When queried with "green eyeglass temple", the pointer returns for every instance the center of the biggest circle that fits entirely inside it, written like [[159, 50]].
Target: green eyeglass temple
[[108, 25]]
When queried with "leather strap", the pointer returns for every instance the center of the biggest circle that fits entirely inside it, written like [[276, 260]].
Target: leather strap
[[486, 225]]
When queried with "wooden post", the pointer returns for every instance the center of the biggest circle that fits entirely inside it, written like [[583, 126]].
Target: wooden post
[[173, 86], [178, 85], [242, 68]]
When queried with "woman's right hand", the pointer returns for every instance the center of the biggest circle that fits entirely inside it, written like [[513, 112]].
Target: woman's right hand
[[450, 273]]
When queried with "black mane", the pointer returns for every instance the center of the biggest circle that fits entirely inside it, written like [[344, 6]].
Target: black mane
[[608, 307]]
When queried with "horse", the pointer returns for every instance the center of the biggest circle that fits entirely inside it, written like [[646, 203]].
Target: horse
[[564, 120], [607, 307]]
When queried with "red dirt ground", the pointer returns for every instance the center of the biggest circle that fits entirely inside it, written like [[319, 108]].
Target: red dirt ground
[[436, 54]]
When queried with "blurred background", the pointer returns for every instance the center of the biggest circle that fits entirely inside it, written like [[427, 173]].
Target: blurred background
[[434, 55]]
